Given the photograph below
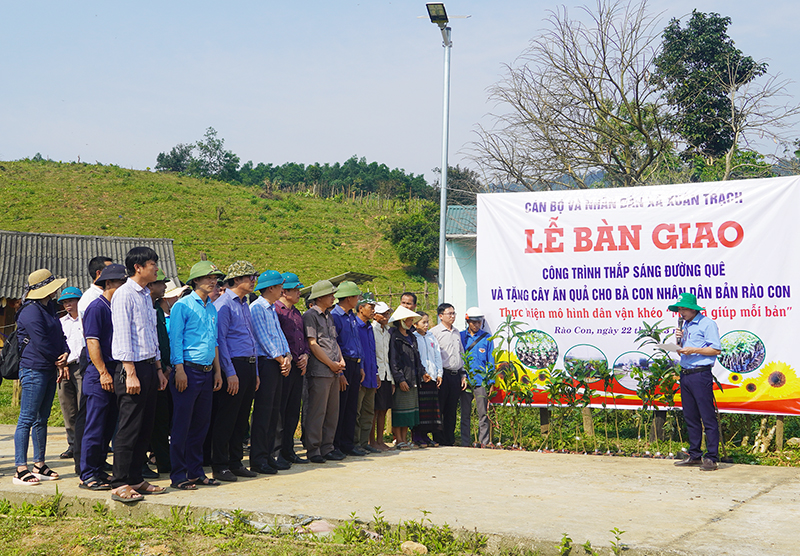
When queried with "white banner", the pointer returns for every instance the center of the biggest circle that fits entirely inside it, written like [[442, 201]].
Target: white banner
[[584, 269]]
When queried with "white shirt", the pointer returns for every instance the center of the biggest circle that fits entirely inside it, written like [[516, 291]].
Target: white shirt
[[73, 330], [429, 352], [382, 352], [450, 346], [86, 299]]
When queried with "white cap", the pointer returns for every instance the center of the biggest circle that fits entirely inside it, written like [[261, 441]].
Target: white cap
[[474, 313], [174, 289], [381, 307]]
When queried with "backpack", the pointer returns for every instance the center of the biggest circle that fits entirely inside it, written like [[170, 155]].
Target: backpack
[[11, 354], [9, 357]]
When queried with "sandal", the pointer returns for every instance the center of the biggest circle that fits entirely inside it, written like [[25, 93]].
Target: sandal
[[433, 444], [147, 488], [95, 484], [44, 473], [126, 495], [25, 478], [185, 485], [206, 481]]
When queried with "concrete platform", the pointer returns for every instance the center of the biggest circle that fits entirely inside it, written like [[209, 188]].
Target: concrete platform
[[519, 498]]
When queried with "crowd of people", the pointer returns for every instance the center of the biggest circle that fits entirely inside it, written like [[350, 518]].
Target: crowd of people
[[190, 375]]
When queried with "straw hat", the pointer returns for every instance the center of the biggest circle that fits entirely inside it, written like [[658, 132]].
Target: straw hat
[[174, 289], [42, 283], [402, 313]]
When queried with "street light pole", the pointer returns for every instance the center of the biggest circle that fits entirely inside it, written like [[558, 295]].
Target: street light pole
[[438, 16]]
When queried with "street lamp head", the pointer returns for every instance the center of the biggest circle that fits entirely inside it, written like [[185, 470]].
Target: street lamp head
[[437, 13]]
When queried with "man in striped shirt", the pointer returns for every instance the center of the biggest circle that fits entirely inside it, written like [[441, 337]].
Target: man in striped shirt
[[274, 362], [138, 377]]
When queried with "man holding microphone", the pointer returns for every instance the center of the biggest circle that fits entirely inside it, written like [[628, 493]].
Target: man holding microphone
[[699, 343]]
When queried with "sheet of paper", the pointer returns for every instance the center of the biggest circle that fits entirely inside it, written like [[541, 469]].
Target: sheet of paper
[[668, 347]]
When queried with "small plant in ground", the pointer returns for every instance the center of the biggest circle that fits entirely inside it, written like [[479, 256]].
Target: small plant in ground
[[565, 546], [587, 548], [617, 546]]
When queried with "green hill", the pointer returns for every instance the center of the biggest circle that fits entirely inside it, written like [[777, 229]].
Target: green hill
[[316, 238]]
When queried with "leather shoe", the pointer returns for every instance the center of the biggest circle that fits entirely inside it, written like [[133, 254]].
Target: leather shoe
[[708, 465], [334, 456], [688, 462], [294, 458], [243, 472], [225, 475], [356, 451], [279, 463], [317, 459], [371, 449], [264, 469]]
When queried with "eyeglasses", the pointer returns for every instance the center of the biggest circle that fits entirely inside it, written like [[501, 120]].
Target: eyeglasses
[[449, 314]]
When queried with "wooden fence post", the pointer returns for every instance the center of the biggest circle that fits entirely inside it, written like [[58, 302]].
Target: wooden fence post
[[779, 432]]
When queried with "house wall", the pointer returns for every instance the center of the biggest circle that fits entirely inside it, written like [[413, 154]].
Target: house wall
[[461, 276]]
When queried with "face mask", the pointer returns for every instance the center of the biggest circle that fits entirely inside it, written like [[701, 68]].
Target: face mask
[[403, 324]]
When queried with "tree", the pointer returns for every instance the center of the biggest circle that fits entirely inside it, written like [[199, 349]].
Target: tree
[[177, 160], [580, 104], [415, 236], [463, 185], [213, 160], [717, 102]]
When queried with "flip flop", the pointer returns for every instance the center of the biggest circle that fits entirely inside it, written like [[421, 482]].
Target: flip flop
[[126, 495], [147, 488]]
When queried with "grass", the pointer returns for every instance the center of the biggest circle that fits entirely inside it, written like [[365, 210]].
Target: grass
[[44, 528], [315, 238]]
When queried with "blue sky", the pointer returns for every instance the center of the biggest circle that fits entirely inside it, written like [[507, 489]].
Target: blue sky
[[119, 82]]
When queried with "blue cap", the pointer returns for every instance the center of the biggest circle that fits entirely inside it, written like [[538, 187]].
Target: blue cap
[[292, 281], [70, 293], [269, 278]]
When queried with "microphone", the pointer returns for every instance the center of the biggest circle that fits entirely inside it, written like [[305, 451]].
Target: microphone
[[680, 327]]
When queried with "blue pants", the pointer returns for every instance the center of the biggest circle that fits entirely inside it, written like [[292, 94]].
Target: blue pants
[[191, 417], [38, 390], [101, 421], [697, 398]]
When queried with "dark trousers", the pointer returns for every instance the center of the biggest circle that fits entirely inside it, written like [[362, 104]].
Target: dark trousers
[[266, 410], [80, 424], [100, 412], [69, 397], [136, 416], [191, 417], [233, 413], [697, 398], [159, 442], [291, 396], [449, 394], [344, 439]]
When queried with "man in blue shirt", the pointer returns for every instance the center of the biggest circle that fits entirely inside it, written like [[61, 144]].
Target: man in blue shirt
[[479, 347], [98, 381], [700, 345], [237, 357], [347, 335], [274, 362], [371, 382], [194, 357]]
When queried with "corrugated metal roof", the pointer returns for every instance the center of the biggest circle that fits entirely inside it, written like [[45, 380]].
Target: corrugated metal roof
[[67, 256], [461, 221]]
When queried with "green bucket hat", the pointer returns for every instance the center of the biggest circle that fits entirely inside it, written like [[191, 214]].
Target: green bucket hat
[[346, 289], [160, 276], [322, 288], [204, 268], [686, 301], [241, 268]]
